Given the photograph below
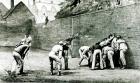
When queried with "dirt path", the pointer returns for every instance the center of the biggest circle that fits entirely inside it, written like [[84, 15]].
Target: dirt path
[[37, 70]]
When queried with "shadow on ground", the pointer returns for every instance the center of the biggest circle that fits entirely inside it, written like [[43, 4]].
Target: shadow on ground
[[68, 76], [37, 70], [49, 80], [36, 76]]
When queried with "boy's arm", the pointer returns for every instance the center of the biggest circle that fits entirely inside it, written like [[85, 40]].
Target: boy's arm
[[20, 47], [60, 52], [26, 51]]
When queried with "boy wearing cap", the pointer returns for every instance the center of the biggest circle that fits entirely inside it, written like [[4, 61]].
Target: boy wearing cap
[[19, 54], [56, 55]]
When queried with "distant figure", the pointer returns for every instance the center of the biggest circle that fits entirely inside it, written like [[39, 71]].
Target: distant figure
[[118, 2], [75, 2], [56, 55]]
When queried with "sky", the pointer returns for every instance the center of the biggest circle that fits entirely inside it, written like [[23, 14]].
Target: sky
[[39, 6], [7, 2]]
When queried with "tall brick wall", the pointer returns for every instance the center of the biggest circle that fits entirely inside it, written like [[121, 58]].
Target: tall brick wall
[[93, 27], [124, 21], [54, 32]]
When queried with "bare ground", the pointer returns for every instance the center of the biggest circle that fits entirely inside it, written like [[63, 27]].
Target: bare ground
[[37, 70]]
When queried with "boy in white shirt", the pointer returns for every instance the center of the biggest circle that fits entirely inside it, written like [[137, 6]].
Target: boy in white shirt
[[56, 55]]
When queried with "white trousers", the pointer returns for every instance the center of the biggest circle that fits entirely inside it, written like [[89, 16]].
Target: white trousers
[[83, 56], [109, 54], [96, 52], [54, 57], [17, 63], [122, 57]]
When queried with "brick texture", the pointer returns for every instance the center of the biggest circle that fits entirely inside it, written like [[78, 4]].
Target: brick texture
[[93, 27]]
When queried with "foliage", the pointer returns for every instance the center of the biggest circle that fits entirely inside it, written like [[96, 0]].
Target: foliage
[[74, 7]]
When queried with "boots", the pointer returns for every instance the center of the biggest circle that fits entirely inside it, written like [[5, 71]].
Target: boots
[[59, 73]]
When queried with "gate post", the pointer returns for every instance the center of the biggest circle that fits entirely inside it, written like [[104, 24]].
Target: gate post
[[75, 42]]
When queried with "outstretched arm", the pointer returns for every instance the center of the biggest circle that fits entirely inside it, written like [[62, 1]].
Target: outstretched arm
[[69, 40]]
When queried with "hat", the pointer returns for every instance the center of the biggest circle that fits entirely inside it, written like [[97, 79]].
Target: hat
[[29, 39], [119, 36], [61, 42]]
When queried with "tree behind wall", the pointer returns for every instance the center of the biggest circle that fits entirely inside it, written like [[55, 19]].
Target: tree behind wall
[[74, 7]]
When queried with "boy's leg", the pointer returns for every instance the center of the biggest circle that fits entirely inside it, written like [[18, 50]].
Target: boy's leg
[[81, 57], [58, 61], [59, 68], [66, 62], [21, 69], [94, 59], [51, 65], [110, 57], [101, 60], [122, 58], [59, 64], [104, 60], [16, 66], [66, 59]]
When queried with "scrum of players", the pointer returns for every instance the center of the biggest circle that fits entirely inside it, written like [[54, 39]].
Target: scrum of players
[[101, 55]]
